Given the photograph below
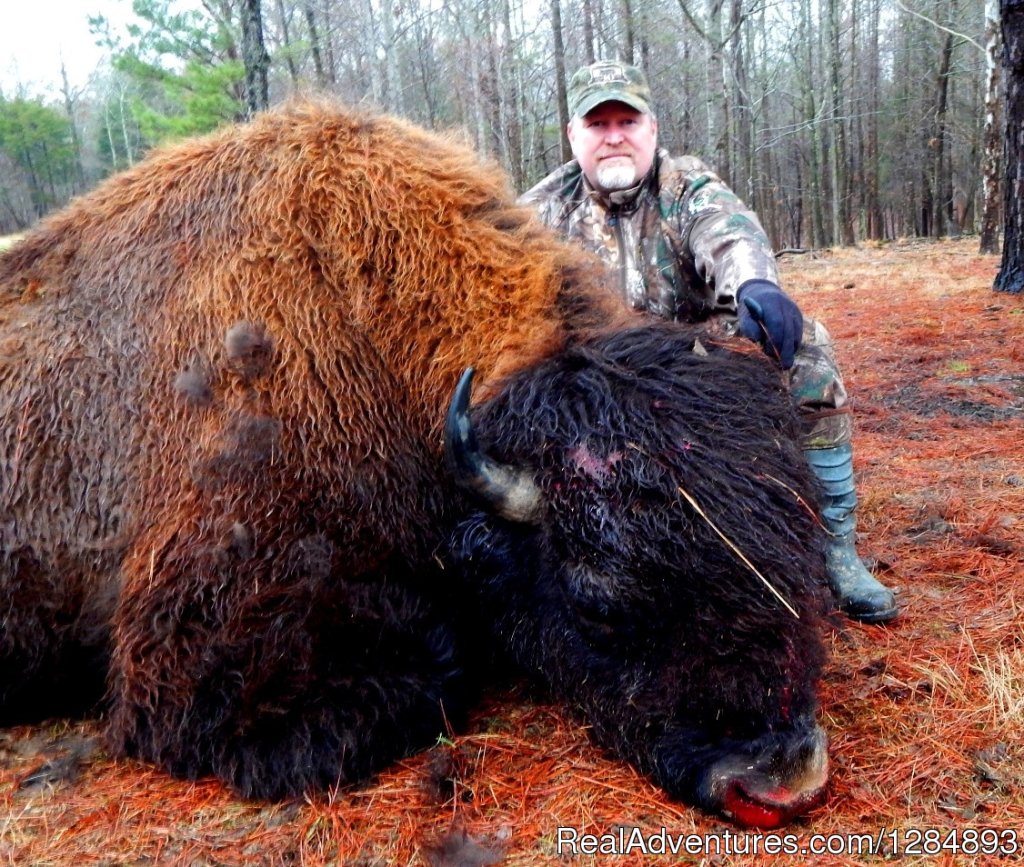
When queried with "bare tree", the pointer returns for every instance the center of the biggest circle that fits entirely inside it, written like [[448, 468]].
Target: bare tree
[[874, 227], [1011, 271], [255, 58], [812, 150], [991, 164], [70, 103], [314, 44], [283, 16], [842, 231], [937, 142], [560, 72], [716, 94]]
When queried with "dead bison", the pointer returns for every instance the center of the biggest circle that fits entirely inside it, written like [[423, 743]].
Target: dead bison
[[226, 506]]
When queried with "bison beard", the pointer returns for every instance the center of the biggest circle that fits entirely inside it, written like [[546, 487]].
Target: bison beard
[[225, 510]]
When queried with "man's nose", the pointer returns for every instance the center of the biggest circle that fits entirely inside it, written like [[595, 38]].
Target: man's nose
[[614, 134]]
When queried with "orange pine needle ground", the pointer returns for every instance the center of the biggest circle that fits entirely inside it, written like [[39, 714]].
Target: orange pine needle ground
[[924, 715]]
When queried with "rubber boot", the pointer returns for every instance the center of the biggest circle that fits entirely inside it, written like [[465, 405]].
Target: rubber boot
[[860, 595]]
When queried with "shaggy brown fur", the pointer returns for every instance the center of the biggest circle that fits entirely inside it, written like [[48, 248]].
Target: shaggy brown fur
[[222, 383], [223, 378]]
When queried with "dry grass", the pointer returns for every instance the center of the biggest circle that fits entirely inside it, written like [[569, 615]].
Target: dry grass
[[924, 714], [8, 240]]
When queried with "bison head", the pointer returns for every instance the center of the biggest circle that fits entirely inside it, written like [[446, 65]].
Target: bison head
[[649, 549]]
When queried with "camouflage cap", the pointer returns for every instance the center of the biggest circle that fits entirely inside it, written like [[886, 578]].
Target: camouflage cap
[[608, 81]]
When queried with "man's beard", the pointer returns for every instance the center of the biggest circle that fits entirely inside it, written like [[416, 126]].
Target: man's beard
[[616, 177]]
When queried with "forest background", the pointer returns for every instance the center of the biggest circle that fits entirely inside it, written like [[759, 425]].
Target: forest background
[[836, 120]]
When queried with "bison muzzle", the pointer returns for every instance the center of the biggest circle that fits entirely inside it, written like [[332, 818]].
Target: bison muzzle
[[227, 516]]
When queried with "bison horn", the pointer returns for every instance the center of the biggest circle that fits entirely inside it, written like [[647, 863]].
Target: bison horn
[[509, 491]]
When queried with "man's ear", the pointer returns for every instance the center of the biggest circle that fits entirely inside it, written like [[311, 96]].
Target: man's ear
[[570, 134]]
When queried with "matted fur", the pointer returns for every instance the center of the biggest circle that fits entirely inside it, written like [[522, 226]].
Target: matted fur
[[626, 600]]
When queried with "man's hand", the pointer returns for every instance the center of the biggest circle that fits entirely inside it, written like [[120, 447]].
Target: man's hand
[[770, 317]]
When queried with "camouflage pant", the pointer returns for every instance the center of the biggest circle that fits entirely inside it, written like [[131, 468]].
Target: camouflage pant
[[817, 387]]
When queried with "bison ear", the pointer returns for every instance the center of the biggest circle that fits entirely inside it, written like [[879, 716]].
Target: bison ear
[[508, 491]]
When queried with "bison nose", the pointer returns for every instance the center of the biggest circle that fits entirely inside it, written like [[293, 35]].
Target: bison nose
[[773, 785]]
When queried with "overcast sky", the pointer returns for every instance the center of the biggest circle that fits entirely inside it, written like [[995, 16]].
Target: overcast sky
[[36, 34]]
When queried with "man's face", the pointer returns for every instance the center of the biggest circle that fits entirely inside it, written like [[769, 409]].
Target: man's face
[[614, 145]]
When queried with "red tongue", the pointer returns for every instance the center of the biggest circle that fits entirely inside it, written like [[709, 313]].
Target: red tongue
[[758, 814]]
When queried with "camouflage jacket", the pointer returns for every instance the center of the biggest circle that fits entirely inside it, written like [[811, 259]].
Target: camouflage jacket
[[681, 241]]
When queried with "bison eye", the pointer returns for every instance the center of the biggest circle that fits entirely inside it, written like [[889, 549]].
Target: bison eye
[[594, 621]]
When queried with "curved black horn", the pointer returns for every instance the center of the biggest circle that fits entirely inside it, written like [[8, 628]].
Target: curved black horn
[[509, 492]]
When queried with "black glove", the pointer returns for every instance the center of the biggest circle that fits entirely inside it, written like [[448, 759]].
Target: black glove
[[770, 317]]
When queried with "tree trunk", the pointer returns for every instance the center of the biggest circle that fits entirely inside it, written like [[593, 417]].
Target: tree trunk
[[512, 101], [938, 141], [111, 142], [992, 163], [743, 135], [588, 32], [643, 29], [816, 228], [255, 58], [425, 65], [314, 45], [476, 77], [717, 97], [76, 142], [286, 43], [395, 96], [872, 156], [841, 229], [372, 38], [129, 155], [560, 77], [1011, 272], [854, 190]]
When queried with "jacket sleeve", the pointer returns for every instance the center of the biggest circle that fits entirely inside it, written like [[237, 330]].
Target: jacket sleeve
[[548, 198], [540, 200], [722, 236]]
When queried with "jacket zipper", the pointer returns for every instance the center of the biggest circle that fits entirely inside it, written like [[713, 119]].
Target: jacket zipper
[[613, 221]]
